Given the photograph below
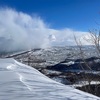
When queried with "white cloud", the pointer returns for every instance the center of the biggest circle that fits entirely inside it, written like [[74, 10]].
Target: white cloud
[[66, 37], [22, 31]]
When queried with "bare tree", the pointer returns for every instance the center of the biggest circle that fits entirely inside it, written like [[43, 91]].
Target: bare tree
[[94, 39]]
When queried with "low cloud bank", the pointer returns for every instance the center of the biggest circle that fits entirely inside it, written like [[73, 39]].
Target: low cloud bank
[[20, 31]]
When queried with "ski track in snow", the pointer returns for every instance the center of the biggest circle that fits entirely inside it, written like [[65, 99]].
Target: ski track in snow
[[22, 82]]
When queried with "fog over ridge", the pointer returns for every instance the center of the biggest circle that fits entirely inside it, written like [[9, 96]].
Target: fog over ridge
[[21, 31]]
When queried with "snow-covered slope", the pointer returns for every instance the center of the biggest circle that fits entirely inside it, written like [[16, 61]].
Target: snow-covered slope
[[22, 82]]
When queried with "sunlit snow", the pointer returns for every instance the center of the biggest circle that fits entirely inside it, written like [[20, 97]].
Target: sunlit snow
[[22, 82]]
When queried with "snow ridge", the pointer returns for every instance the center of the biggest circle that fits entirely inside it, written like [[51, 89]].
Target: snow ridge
[[22, 82]]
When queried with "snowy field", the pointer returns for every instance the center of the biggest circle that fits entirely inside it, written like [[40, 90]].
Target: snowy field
[[22, 82]]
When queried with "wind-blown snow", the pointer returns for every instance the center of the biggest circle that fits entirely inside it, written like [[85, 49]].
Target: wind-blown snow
[[22, 82], [22, 31]]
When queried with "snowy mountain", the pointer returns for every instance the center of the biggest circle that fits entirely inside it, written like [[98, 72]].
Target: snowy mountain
[[22, 82]]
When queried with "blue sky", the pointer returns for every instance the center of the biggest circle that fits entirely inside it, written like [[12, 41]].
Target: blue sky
[[25, 23], [80, 15]]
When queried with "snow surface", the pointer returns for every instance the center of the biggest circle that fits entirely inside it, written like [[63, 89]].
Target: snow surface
[[22, 82]]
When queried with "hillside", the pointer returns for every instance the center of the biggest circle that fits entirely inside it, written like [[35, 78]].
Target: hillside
[[26, 83]]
